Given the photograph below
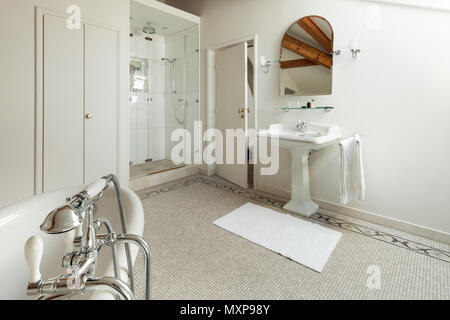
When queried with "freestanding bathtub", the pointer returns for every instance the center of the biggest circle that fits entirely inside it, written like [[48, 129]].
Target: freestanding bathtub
[[20, 221]]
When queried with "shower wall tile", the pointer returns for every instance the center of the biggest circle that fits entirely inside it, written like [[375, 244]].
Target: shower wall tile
[[160, 112], [192, 66], [157, 144], [133, 115], [179, 75], [133, 47], [142, 47], [192, 40], [133, 146], [168, 79], [157, 78], [160, 134], [159, 48], [142, 115], [142, 145], [151, 113], [169, 143], [179, 45], [170, 47]]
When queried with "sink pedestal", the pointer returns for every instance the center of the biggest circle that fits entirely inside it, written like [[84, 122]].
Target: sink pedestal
[[301, 202]]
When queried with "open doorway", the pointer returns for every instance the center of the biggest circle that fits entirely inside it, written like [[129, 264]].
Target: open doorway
[[232, 100]]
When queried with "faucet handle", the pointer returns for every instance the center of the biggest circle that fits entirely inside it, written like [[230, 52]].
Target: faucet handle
[[34, 247], [69, 238], [95, 188]]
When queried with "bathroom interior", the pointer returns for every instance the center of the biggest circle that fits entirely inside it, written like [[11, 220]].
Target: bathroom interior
[[118, 176]]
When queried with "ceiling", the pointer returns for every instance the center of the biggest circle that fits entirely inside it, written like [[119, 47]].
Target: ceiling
[[141, 14]]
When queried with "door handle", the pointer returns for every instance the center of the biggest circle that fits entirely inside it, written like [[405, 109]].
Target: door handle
[[240, 110], [89, 116]]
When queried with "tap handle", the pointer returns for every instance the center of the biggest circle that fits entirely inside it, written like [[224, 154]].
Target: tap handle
[[34, 248], [69, 238], [95, 188]]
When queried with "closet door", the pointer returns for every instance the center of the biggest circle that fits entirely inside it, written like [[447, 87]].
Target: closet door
[[62, 104], [101, 102]]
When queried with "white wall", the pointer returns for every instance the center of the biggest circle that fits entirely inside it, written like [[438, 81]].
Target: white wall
[[396, 95], [17, 87]]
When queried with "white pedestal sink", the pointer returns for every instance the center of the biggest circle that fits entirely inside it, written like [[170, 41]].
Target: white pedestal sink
[[316, 137]]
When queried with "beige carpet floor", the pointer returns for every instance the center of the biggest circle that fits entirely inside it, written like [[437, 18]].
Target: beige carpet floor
[[194, 259]]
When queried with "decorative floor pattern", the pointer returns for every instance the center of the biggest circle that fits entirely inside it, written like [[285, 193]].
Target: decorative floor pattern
[[279, 203], [193, 259]]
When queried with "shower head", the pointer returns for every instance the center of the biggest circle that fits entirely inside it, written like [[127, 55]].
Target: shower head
[[168, 60], [148, 29], [61, 220]]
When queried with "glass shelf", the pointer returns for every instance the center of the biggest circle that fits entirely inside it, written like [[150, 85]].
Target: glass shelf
[[305, 108]]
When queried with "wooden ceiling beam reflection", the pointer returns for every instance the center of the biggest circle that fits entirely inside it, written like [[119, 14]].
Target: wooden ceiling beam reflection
[[307, 51], [316, 33], [297, 63]]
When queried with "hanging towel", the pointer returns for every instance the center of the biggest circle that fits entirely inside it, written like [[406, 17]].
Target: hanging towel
[[352, 182]]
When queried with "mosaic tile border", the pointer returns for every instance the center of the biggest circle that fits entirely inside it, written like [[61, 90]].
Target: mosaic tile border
[[320, 217]]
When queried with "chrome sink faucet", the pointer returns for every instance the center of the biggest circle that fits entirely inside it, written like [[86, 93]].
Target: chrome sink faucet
[[302, 126], [81, 233]]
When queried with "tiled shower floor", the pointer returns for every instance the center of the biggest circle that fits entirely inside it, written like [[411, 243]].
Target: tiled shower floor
[[148, 168]]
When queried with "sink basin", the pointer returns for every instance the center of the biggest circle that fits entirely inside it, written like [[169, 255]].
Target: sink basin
[[300, 144], [316, 137]]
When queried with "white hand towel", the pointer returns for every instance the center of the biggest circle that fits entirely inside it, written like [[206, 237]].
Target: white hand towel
[[352, 182]]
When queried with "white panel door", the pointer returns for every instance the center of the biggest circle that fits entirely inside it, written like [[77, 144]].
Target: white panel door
[[101, 102], [231, 96], [62, 105]]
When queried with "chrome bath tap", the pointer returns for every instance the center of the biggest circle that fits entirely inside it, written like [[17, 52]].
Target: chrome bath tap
[[76, 220], [302, 126]]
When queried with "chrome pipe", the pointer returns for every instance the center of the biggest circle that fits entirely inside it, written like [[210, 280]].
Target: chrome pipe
[[139, 241], [116, 184], [55, 297], [112, 285], [108, 227], [88, 239]]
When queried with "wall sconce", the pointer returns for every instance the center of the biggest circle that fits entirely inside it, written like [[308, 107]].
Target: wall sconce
[[354, 49], [266, 64]]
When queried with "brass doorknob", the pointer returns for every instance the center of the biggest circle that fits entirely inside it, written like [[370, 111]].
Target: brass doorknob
[[240, 110], [89, 116]]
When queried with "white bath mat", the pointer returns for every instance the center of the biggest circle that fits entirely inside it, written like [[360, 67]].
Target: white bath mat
[[304, 242]]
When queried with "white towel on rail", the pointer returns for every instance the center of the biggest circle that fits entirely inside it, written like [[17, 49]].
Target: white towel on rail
[[352, 182]]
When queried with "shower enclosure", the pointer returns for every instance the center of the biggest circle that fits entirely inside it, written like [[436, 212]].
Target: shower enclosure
[[164, 89]]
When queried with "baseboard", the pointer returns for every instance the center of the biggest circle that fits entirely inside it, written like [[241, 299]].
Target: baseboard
[[163, 177], [400, 225], [272, 190], [433, 234]]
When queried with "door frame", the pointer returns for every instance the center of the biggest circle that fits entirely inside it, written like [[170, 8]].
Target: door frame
[[211, 84]]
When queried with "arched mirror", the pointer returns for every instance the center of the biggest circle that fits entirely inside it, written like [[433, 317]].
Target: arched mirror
[[306, 60]]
